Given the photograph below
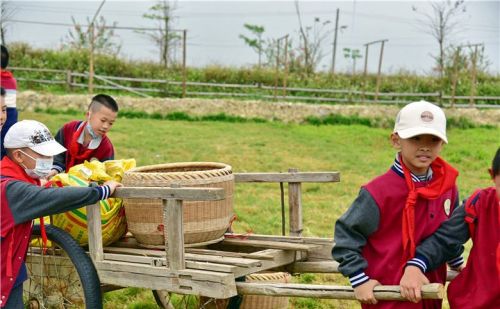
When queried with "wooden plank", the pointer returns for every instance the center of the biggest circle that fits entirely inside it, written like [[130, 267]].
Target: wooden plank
[[295, 206], [314, 267], [95, 231], [268, 244], [161, 261], [218, 259], [172, 219], [281, 258], [197, 282], [388, 292], [288, 177], [255, 255], [323, 250], [186, 193]]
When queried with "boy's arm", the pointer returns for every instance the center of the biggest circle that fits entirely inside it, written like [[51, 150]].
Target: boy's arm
[[445, 244], [28, 201], [60, 159], [351, 232]]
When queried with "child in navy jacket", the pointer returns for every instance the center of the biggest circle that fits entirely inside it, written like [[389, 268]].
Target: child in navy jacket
[[478, 284], [398, 209]]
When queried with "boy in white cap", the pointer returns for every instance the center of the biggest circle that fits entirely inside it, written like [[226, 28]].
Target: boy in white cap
[[30, 150], [395, 211]]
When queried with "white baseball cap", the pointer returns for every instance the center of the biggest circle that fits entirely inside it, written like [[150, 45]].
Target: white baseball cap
[[34, 135], [421, 118]]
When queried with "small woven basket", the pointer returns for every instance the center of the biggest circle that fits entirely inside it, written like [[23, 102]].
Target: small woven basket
[[204, 221], [255, 301]]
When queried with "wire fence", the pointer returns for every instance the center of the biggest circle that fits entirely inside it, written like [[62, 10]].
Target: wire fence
[[146, 87]]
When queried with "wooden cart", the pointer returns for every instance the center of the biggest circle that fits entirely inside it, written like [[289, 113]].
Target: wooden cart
[[212, 271]]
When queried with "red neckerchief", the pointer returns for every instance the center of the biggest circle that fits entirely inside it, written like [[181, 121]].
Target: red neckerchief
[[5, 74], [76, 150], [443, 179]]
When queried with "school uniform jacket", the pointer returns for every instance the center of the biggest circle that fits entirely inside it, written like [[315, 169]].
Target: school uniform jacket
[[21, 201], [9, 83], [478, 284], [368, 237], [103, 152]]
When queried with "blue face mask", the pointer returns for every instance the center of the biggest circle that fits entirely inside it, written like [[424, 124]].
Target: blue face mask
[[91, 131], [42, 167]]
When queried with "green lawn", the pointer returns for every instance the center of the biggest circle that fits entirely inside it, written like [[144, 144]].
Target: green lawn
[[358, 152]]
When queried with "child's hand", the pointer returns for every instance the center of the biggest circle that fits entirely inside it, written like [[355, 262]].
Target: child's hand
[[52, 174], [364, 292], [112, 185], [411, 283]]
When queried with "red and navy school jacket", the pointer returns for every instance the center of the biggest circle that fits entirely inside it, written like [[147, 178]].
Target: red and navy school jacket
[[368, 237], [103, 152], [478, 284], [21, 201]]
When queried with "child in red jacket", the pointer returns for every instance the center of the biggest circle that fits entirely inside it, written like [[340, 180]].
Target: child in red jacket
[[397, 210], [87, 140], [478, 284], [30, 149]]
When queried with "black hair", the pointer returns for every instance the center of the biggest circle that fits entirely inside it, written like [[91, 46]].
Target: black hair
[[495, 164], [2, 92], [5, 57], [103, 99]]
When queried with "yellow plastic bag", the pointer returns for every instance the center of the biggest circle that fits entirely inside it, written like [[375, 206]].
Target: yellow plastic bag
[[114, 224]]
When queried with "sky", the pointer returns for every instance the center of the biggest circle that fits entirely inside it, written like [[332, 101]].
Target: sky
[[213, 29]]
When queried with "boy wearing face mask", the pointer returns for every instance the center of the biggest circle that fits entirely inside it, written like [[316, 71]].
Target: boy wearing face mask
[[86, 140], [30, 149]]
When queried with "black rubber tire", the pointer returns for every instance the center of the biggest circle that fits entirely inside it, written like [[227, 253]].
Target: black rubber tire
[[81, 261]]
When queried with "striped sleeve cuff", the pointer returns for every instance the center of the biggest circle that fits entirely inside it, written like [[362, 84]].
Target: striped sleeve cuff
[[358, 279], [57, 168], [104, 192], [456, 262], [420, 262]]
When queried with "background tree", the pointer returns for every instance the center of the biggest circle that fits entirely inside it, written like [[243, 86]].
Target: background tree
[[442, 22], [351, 55], [256, 43], [6, 13], [104, 37], [312, 38], [164, 37]]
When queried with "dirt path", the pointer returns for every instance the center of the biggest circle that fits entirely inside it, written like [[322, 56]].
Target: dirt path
[[283, 111]]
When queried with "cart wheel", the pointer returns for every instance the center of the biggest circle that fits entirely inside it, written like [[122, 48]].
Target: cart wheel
[[168, 300], [63, 277]]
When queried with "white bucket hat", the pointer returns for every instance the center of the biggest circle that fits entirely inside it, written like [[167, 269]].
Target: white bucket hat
[[421, 118], [34, 135]]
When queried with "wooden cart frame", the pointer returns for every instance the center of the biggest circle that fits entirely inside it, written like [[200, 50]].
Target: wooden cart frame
[[214, 271]]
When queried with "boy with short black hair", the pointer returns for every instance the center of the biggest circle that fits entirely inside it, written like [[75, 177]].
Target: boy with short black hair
[[396, 210], [30, 149], [9, 84], [87, 140], [478, 284]]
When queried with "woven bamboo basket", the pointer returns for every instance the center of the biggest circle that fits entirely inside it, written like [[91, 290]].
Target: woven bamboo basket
[[255, 301], [204, 221]]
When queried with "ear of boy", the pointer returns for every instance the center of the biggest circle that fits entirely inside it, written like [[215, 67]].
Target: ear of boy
[[395, 140]]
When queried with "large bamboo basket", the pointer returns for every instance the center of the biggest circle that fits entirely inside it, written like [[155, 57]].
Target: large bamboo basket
[[255, 301], [204, 221]]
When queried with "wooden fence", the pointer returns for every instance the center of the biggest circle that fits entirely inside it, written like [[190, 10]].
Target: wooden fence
[[169, 88]]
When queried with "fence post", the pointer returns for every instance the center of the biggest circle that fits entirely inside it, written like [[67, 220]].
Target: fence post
[[184, 72], [295, 206], [69, 80]]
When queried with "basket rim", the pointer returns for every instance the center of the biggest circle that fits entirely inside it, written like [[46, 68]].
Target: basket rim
[[217, 167]]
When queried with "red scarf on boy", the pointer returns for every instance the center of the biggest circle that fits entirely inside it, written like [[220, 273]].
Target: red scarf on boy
[[443, 179], [76, 150]]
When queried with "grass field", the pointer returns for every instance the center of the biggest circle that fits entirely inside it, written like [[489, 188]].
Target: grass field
[[358, 152]]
